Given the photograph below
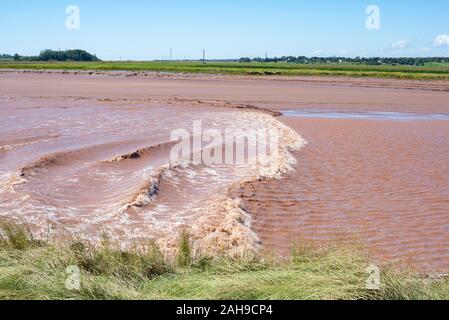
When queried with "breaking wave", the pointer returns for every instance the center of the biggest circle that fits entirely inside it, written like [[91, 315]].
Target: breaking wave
[[143, 194], [143, 152]]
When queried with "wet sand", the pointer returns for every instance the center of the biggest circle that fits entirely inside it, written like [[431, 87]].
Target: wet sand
[[68, 146], [287, 93]]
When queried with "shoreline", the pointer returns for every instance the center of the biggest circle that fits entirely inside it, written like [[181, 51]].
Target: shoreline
[[351, 81], [274, 94]]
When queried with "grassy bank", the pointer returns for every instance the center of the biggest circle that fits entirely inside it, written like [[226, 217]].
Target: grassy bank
[[30, 269], [430, 72]]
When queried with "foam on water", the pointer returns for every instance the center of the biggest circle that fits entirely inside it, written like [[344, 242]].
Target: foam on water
[[107, 169]]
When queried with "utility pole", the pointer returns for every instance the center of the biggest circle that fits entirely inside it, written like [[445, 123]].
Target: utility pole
[[204, 56], [171, 54]]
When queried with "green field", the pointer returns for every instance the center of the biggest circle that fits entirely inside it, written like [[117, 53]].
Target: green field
[[437, 64], [429, 72], [31, 269]]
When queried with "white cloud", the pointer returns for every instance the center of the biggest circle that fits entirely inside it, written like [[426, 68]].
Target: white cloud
[[318, 51], [425, 49], [401, 44], [441, 41]]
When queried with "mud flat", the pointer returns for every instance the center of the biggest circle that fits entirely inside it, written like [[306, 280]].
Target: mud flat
[[278, 93], [89, 153]]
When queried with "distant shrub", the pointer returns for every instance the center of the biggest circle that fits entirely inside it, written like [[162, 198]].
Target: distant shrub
[[69, 55]]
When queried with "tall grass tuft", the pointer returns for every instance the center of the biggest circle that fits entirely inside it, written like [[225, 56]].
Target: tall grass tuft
[[15, 236], [184, 256], [139, 263]]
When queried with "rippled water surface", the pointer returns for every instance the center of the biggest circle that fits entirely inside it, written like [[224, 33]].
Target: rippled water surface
[[383, 182]]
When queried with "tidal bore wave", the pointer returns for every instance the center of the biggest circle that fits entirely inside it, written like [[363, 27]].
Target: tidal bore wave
[[117, 176]]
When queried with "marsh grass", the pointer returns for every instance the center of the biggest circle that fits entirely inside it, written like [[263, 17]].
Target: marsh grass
[[15, 236], [36, 270], [429, 72], [184, 256]]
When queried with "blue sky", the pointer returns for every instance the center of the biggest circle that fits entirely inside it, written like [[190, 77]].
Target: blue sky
[[147, 29]]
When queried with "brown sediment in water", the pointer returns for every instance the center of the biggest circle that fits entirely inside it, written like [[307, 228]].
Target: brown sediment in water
[[108, 169], [93, 155], [381, 181]]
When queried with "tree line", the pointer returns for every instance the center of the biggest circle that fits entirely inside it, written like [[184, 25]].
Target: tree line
[[417, 61], [6, 57], [53, 55]]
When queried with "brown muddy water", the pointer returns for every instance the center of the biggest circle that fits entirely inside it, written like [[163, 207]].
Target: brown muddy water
[[86, 167], [378, 178]]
